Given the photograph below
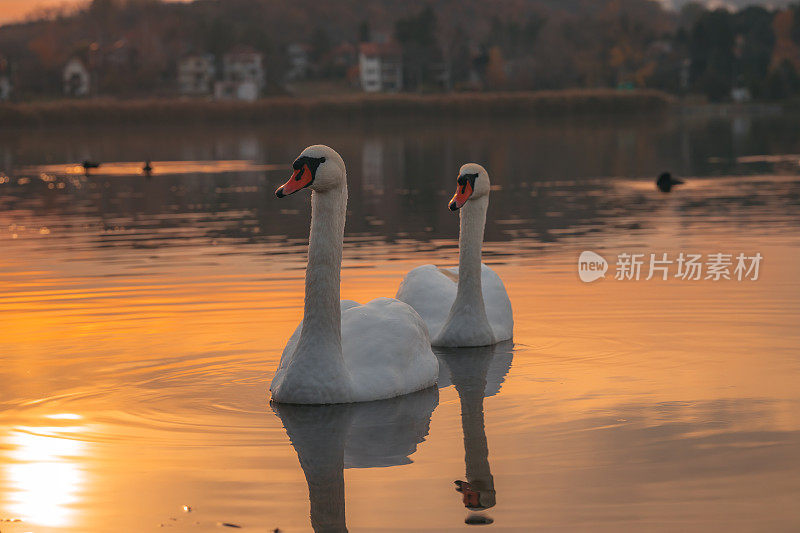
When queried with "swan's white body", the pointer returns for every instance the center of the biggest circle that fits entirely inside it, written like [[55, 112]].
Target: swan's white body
[[467, 305], [344, 352], [384, 351], [431, 291]]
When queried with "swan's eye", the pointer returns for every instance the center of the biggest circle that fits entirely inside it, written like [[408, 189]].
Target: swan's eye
[[312, 162], [463, 179]]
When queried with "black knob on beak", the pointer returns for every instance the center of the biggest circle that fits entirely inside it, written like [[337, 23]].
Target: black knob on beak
[[452, 205], [279, 192]]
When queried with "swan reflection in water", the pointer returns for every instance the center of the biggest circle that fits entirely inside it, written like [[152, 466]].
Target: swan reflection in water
[[476, 373], [330, 438]]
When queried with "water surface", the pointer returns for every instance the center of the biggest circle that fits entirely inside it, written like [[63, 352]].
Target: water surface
[[143, 319]]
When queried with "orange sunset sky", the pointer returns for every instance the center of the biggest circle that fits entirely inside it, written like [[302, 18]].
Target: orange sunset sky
[[11, 10]]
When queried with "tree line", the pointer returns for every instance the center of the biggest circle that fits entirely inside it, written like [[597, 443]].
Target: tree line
[[134, 46]]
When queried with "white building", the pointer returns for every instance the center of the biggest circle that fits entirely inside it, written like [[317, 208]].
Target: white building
[[298, 61], [5, 88], [740, 95], [76, 77], [236, 90], [196, 75], [380, 67], [5, 80], [243, 76]]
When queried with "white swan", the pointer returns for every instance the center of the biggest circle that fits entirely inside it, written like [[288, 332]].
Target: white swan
[[467, 305], [344, 352]]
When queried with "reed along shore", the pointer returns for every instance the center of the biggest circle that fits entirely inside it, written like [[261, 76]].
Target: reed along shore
[[350, 107]]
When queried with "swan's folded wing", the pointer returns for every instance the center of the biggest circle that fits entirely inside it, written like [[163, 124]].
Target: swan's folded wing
[[431, 292], [387, 350]]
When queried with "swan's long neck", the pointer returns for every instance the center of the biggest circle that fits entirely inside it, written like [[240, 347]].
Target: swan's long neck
[[476, 448], [470, 242], [325, 476], [468, 370], [322, 460], [467, 324], [321, 336], [319, 434]]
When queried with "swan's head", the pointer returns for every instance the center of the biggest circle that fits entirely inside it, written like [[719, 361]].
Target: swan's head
[[319, 168], [473, 182]]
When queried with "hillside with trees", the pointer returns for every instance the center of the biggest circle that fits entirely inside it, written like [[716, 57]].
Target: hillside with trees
[[134, 46]]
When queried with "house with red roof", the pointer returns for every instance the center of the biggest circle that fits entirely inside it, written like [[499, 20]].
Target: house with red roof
[[380, 67]]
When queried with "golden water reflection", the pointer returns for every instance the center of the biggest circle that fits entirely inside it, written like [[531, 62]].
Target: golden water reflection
[[142, 321], [49, 173], [43, 472]]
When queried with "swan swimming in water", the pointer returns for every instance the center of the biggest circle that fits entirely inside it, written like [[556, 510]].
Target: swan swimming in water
[[467, 305], [342, 351]]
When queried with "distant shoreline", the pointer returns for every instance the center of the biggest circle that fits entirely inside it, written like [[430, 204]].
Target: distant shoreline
[[356, 107]]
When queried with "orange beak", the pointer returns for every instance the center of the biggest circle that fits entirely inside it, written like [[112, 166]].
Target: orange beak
[[463, 192], [470, 497], [300, 179]]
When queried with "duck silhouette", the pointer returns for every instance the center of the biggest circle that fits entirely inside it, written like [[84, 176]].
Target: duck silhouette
[[476, 373], [88, 165], [665, 182], [330, 438], [147, 168]]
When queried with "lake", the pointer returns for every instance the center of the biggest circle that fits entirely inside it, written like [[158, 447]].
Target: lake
[[143, 319]]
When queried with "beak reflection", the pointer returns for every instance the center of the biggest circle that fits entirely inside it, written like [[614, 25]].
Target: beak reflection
[[476, 373]]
